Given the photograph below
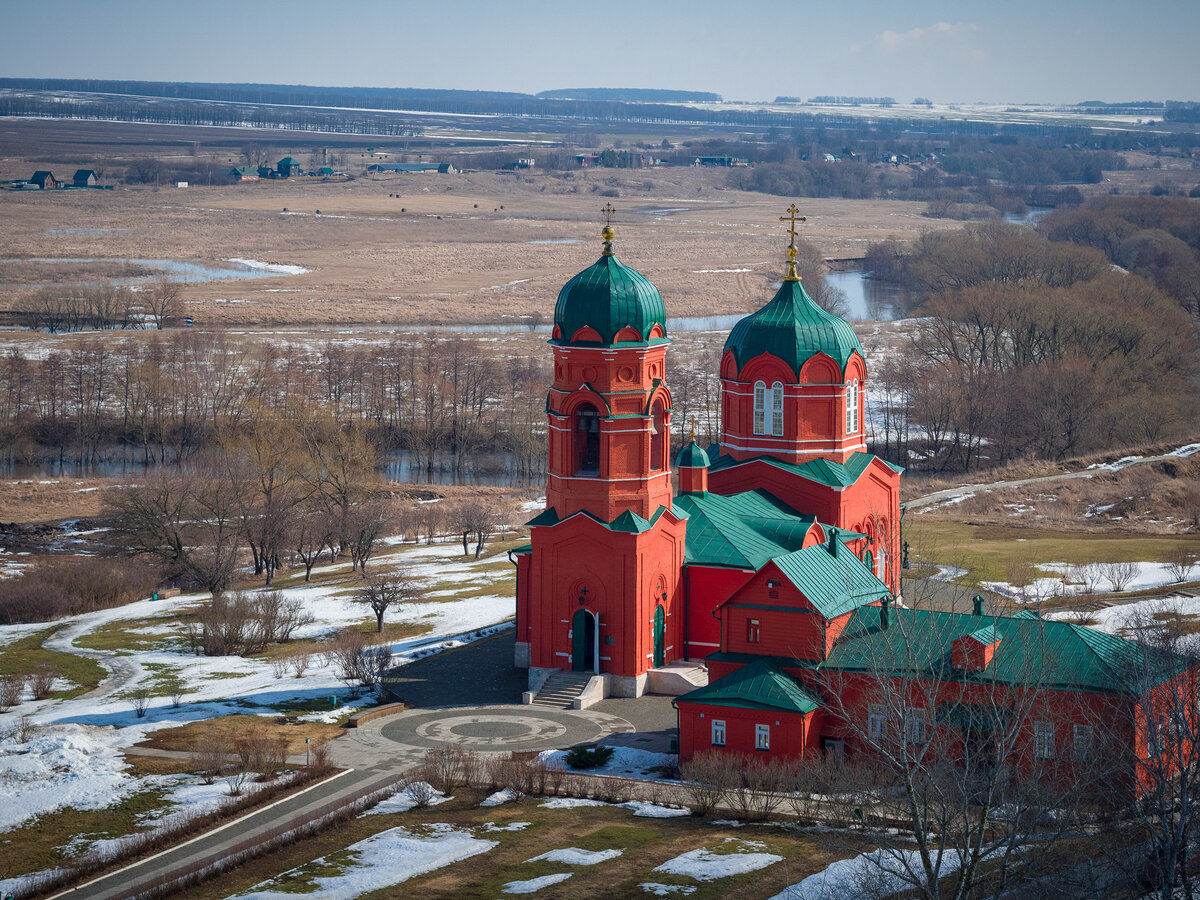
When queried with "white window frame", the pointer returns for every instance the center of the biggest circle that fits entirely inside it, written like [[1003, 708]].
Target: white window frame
[[718, 732], [760, 407], [753, 631], [876, 722], [768, 408], [852, 413], [914, 726], [1043, 740], [775, 426], [762, 737]]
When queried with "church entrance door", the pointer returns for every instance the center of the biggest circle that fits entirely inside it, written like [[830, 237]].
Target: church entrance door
[[583, 642], [659, 630]]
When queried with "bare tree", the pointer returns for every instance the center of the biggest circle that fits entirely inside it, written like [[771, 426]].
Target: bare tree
[[1179, 562], [366, 523], [162, 301], [384, 592], [953, 757]]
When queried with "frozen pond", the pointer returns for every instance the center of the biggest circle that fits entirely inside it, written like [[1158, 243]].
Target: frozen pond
[[179, 270]]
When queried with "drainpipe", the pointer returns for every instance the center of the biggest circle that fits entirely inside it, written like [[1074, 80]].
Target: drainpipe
[[687, 608]]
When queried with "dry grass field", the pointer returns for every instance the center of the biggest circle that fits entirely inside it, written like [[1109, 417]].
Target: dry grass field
[[414, 249]]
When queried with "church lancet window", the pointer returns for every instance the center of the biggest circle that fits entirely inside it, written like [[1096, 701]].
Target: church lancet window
[[768, 408], [852, 417], [586, 434], [658, 427]]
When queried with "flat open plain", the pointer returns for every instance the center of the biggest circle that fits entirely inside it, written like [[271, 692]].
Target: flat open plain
[[419, 249]]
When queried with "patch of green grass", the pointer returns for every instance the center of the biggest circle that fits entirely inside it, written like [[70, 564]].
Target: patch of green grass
[[23, 656], [118, 636], [219, 676], [42, 842], [986, 550]]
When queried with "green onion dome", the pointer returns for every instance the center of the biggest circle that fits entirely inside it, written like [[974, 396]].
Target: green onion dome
[[794, 329], [692, 457], [609, 297]]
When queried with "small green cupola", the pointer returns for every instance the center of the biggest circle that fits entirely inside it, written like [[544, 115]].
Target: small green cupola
[[792, 328], [609, 303], [693, 468]]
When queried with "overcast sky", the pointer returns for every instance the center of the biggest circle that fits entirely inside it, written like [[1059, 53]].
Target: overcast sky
[[996, 51]]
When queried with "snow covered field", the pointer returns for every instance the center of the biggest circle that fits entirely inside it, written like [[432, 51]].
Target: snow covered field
[[73, 756], [1073, 581]]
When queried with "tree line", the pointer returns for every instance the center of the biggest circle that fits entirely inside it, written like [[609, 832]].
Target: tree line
[[1028, 347], [171, 396]]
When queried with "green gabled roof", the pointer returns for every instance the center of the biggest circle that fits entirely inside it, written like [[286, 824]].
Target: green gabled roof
[[607, 297], [628, 521], [833, 584], [741, 531], [1031, 651], [794, 329], [692, 457], [823, 471], [985, 636], [759, 685]]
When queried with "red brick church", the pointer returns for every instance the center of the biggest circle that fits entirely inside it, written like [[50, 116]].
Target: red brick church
[[774, 565]]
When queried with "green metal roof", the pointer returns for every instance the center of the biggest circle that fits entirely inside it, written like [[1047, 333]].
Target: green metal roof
[[1031, 651], [794, 329], [607, 297], [759, 685], [692, 457], [741, 531], [627, 521], [985, 636], [824, 471], [833, 584]]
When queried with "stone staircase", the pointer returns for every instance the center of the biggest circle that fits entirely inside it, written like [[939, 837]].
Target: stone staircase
[[562, 689], [677, 678]]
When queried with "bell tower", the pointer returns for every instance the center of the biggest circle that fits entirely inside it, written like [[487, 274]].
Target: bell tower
[[609, 408], [599, 589]]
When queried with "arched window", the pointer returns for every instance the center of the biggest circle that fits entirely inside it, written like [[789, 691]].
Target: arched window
[[852, 416], [658, 429], [768, 408], [586, 439], [777, 409]]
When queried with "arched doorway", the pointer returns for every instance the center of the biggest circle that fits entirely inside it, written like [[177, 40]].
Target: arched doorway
[[659, 636], [583, 642]]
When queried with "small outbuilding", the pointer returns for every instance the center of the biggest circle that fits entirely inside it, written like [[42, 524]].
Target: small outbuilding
[[44, 180], [244, 173], [85, 178]]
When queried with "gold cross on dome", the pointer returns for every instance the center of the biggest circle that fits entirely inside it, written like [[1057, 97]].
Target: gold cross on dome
[[608, 214], [793, 217], [692, 423]]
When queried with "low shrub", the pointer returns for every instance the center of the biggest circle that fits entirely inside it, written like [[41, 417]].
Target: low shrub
[[588, 757], [67, 587]]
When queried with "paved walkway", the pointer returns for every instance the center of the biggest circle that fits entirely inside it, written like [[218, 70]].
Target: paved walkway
[[465, 697]]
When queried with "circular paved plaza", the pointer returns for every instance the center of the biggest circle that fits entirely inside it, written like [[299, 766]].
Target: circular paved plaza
[[500, 728]]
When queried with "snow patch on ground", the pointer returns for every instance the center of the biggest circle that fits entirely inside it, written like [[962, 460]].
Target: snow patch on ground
[[666, 890], [269, 267], [878, 870], [737, 858], [626, 762], [409, 798], [1127, 616], [1070, 584], [533, 885], [378, 862], [573, 856], [502, 796], [654, 811], [569, 803]]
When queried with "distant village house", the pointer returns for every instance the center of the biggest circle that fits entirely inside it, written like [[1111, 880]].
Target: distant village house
[[45, 180], [85, 178]]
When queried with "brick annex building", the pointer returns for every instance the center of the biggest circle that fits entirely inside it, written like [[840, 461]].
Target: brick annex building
[[772, 576]]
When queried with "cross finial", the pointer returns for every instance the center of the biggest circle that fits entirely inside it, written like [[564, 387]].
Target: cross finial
[[792, 217], [607, 233], [692, 423]]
